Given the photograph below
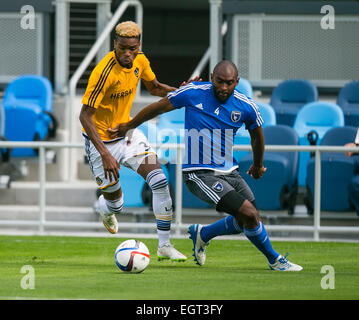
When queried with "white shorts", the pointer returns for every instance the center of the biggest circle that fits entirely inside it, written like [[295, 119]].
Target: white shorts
[[129, 152]]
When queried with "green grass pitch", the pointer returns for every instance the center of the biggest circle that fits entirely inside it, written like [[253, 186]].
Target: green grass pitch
[[84, 268]]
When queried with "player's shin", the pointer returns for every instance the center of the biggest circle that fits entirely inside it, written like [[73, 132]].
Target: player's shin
[[229, 203], [109, 207], [162, 205], [259, 237], [225, 226]]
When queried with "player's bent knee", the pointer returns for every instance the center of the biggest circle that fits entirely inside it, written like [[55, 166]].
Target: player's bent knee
[[157, 180], [249, 214], [242, 209]]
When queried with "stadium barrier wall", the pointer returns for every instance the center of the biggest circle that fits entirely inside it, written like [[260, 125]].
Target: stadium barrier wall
[[41, 223]]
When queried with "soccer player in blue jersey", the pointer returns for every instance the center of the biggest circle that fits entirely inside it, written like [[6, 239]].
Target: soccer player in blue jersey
[[214, 112]]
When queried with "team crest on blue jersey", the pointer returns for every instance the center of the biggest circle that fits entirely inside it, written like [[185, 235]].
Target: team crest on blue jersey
[[235, 116], [217, 186]]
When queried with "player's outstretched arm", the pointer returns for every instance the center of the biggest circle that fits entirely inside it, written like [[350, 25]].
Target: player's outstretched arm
[[257, 141], [157, 88], [150, 112]]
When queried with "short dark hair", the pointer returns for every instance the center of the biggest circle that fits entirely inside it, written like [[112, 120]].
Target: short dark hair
[[225, 63]]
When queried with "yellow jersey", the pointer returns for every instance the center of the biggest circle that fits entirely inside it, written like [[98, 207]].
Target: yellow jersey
[[111, 90]]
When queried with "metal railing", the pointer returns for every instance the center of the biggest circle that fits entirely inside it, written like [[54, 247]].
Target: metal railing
[[41, 223]]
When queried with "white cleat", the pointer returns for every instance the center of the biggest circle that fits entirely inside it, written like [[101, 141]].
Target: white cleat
[[283, 264], [199, 246], [169, 252], [108, 220]]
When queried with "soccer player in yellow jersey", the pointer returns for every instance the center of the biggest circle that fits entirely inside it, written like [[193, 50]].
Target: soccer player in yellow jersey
[[107, 103]]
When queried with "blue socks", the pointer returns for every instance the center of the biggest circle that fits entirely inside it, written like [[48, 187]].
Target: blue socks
[[225, 226], [260, 239], [228, 225]]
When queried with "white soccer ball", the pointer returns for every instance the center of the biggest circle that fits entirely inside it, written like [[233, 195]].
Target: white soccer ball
[[132, 256]]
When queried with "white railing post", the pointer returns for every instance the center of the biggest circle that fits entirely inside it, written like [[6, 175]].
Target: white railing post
[[215, 41], [317, 192], [42, 190], [139, 20], [103, 15], [178, 189], [62, 25]]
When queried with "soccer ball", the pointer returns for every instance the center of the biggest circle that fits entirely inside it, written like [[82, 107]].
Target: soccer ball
[[132, 256]]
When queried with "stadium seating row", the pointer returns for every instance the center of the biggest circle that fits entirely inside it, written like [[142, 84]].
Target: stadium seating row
[[295, 103], [27, 106], [291, 95]]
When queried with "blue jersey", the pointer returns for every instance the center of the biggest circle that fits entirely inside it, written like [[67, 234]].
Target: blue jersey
[[210, 125]]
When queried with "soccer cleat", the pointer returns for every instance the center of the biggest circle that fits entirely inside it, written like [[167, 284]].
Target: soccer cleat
[[169, 252], [199, 246], [108, 220], [282, 264]]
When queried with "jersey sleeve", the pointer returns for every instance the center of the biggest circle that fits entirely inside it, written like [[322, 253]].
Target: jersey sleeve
[[147, 73], [97, 85], [180, 97], [254, 119]]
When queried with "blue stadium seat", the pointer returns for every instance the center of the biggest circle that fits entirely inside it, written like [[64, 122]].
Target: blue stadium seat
[[245, 87], [242, 136], [30, 89], [23, 124], [348, 100], [337, 170], [170, 129], [33, 91], [319, 117], [149, 129], [267, 113], [132, 184], [277, 189], [289, 96]]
